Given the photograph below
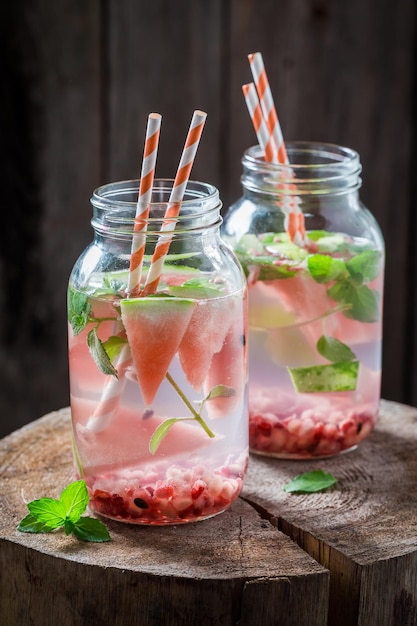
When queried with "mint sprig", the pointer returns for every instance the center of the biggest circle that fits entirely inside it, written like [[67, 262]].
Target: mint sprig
[[219, 391], [310, 482], [349, 278], [48, 514], [79, 316]]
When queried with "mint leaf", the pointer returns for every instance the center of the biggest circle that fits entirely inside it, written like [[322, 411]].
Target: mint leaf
[[364, 267], [334, 350], [161, 432], [75, 500], [314, 235], [30, 524], [90, 529], [48, 511], [220, 391], [324, 268], [310, 482], [68, 526], [113, 346], [79, 310], [364, 305], [47, 514], [99, 354], [363, 302], [342, 291]]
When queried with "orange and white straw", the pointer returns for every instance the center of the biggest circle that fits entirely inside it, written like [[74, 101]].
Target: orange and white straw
[[144, 199], [267, 104], [264, 117], [265, 138], [174, 202], [113, 389], [112, 392]]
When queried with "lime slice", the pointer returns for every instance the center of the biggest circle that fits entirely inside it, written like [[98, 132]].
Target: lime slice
[[322, 378], [196, 288], [288, 251]]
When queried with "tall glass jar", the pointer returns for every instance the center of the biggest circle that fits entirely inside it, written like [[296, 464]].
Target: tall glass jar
[[158, 379], [313, 256]]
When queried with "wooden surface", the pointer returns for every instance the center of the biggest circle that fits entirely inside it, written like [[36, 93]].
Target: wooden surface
[[341, 558], [233, 569], [78, 80]]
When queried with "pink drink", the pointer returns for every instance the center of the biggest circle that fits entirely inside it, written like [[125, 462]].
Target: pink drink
[[192, 475], [158, 375], [310, 399]]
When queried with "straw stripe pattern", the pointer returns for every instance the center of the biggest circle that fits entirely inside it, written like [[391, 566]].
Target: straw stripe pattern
[[144, 198], [110, 398], [267, 104], [262, 110], [264, 137], [174, 203]]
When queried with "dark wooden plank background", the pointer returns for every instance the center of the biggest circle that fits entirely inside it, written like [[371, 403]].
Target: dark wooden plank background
[[78, 80]]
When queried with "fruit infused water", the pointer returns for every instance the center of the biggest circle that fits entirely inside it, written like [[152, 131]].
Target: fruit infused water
[[315, 301], [158, 380]]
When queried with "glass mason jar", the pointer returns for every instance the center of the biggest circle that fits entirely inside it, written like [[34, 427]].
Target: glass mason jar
[[158, 380], [313, 256]]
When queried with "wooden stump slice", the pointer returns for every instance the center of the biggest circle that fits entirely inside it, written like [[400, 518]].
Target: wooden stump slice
[[364, 529], [235, 568]]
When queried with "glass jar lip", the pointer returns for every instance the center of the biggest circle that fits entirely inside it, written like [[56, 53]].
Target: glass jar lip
[[314, 168], [115, 208], [196, 194], [328, 156]]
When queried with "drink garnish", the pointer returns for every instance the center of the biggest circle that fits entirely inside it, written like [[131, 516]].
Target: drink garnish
[[324, 378], [48, 514], [219, 391], [310, 482]]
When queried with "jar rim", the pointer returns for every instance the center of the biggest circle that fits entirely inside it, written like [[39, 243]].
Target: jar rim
[[110, 195], [332, 156], [115, 207]]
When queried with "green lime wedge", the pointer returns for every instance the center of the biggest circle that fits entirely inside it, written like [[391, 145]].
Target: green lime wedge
[[196, 288], [322, 378]]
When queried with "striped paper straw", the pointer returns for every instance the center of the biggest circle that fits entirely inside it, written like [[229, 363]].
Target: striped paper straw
[[113, 389], [144, 198], [264, 136], [267, 104], [112, 392], [264, 102], [174, 202]]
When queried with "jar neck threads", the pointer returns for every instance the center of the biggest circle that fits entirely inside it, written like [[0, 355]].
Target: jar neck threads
[[314, 169], [114, 208]]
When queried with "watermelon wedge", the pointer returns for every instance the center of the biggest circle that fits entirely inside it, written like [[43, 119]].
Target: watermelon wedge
[[228, 367], [154, 327], [204, 336]]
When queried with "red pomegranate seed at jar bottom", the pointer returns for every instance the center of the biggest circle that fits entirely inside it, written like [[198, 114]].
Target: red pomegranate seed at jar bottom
[[198, 489]]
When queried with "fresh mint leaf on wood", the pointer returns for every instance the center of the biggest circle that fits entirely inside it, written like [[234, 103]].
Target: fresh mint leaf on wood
[[90, 529], [310, 482], [48, 514]]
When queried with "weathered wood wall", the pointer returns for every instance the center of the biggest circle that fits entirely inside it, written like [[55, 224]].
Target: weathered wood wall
[[78, 80]]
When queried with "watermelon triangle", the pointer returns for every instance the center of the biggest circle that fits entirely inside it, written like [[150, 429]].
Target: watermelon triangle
[[154, 327], [205, 335]]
